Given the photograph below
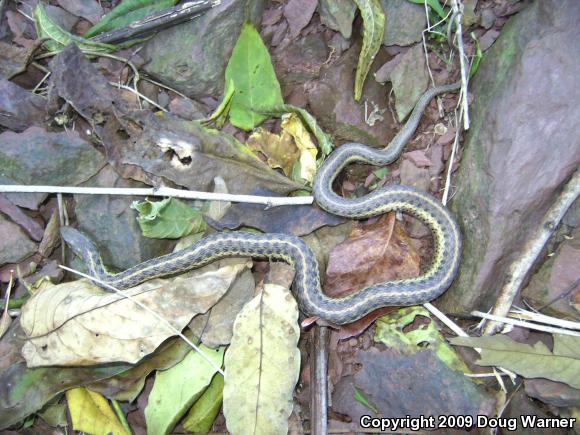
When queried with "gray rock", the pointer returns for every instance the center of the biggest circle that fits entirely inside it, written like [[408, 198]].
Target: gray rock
[[487, 18], [410, 80], [522, 145], [552, 393], [301, 60], [192, 57], [15, 245], [554, 284], [37, 157], [405, 22], [111, 223], [339, 113], [19, 108], [337, 15]]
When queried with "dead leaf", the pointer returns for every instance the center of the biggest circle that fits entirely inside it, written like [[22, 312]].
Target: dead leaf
[[295, 127], [418, 158], [65, 324], [262, 364], [373, 253], [279, 149]]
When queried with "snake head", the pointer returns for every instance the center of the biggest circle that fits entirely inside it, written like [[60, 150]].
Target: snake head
[[78, 242]]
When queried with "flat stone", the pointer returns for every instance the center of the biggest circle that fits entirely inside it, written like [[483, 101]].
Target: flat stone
[[524, 119], [338, 112], [37, 157], [405, 22], [192, 56], [338, 15], [552, 393], [555, 282], [15, 245], [410, 80]]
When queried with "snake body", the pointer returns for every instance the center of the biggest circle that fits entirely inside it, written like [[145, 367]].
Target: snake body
[[307, 288]]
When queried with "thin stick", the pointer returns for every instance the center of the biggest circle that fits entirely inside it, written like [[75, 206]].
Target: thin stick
[[319, 370], [521, 314], [269, 201], [138, 94], [158, 21], [149, 310], [458, 14], [525, 324], [519, 269]]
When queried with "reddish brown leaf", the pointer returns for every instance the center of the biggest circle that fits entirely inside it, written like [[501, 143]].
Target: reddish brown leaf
[[373, 253]]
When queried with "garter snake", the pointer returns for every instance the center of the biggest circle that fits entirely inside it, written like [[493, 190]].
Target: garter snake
[[307, 288]]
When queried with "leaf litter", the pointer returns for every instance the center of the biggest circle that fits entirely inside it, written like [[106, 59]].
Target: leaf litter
[[160, 149]]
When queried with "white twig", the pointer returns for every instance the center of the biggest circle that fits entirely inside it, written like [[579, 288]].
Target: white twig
[[519, 269], [525, 324], [269, 201], [149, 310], [457, 7], [454, 148], [139, 95], [518, 313]]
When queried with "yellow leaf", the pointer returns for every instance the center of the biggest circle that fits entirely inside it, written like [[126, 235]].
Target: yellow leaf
[[91, 413], [279, 150], [262, 364], [292, 124]]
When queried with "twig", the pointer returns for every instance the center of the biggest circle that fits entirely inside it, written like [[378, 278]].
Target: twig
[[149, 310], [525, 324], [519, 269], [319, 383], [138, 94], [269, 201], [457, 7], [454, 149], [521, 314], [158, 21]]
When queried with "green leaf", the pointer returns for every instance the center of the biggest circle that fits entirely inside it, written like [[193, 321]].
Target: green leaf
[[537, 361], [361, 398], [60, 38], [374, 28], [176, 389], [262, 364], [168, 219], [127, 12], [391, 330], [381, 173], [203, 412], [433, 4], [250, 68], [221, 112], [476, 58], [324, 142]]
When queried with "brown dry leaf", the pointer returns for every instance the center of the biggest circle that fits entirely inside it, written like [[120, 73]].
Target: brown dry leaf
[[373, 253], [78, 323], [279, 150]]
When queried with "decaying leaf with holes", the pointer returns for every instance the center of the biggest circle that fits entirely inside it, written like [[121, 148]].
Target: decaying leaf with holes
[[64, 323]]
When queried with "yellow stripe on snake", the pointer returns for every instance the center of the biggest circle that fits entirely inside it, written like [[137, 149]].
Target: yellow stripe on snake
[[306, 286]]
